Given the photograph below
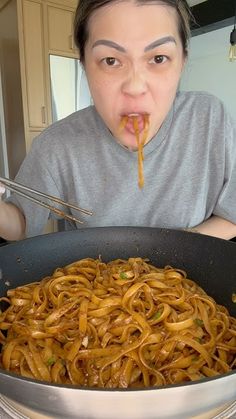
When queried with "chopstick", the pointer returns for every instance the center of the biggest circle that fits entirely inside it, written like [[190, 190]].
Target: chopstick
[[13, 186]]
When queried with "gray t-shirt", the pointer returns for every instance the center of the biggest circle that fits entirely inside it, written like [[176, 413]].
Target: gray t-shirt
[[189, 169]]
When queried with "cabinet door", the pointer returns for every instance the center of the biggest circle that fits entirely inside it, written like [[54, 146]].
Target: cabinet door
[[29, 137], [60, 31], [34, 64]]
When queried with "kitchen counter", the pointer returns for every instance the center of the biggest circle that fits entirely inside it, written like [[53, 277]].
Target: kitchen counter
[[216, 414]]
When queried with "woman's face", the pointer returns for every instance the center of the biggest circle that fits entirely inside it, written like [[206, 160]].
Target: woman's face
[[133, 62]]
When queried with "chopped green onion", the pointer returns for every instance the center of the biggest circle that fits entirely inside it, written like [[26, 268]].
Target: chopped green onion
[[123, 275], [51, 361], [198, 322], [157, 315]]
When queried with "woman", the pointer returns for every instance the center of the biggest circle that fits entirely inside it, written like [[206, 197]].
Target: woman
[[133, 53]]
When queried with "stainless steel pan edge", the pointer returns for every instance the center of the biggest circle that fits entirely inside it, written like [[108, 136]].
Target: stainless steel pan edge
[[211, 262], [174, 402]]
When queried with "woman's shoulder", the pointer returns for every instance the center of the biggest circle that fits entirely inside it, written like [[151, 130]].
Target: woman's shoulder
[[204, 105], [65, 132], [203, 112], [198, 99]]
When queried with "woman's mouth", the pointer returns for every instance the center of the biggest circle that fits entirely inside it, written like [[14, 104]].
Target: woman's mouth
[[127, 122]]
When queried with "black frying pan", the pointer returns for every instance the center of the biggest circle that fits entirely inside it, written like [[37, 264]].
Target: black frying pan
[[209, 261]]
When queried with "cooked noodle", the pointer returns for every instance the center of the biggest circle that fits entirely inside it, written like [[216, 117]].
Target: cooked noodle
[[121, 324], [140, 142]]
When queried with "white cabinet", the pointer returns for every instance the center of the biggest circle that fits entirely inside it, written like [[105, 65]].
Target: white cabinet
[[33, 65], [31, 30], [60, 31], [44, 28]]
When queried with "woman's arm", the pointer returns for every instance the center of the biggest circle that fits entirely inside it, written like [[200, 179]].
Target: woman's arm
[[217, 227], [12, 221]]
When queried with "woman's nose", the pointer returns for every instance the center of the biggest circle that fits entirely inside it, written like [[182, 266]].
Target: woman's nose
[[134, 83]]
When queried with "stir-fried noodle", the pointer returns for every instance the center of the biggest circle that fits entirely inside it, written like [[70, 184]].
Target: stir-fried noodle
[[140, 141], [121, 324]]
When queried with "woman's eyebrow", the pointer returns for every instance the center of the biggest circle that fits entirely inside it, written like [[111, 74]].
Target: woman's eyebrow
[[154, 44], [109, 44], [158, 42]]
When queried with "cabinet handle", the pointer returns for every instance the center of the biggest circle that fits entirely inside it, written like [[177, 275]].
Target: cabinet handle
[[43, 110], [71, 42]]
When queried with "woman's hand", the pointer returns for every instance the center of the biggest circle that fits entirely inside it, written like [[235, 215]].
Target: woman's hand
[[217, 227], [2, 190], [12, 221]]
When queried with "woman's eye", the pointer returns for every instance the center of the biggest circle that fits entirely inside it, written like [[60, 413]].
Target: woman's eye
[[111, 61], [159, 59]]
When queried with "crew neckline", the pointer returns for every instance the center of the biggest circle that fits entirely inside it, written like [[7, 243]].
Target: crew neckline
[[155, 142]]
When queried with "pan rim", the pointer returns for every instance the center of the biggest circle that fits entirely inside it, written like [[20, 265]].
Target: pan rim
[[39, 383]]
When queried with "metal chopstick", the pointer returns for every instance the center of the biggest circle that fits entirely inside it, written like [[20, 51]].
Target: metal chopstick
[[13, 186]]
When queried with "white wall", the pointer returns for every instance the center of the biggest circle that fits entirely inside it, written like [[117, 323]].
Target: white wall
[[209, 68]]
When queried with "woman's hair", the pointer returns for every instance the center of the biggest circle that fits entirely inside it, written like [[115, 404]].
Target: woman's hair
[[85, 9]]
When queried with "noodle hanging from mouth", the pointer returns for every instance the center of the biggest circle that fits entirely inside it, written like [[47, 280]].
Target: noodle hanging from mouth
[[140, 143], [120, 324]]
